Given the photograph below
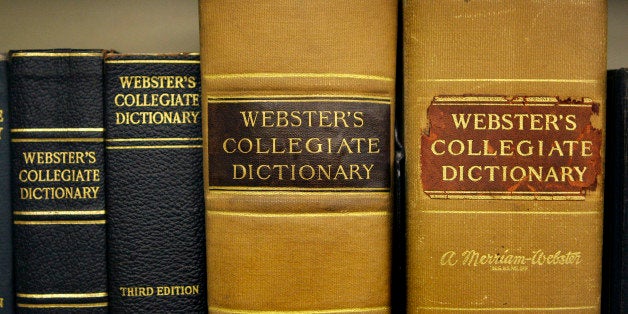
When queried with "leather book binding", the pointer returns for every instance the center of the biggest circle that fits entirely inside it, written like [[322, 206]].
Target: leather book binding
[[156, 238], [504, 114], [6, 244], [615, 258], [58, 184], [298, 101]]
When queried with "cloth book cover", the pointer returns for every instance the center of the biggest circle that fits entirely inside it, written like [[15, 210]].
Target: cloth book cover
[[504, 114], [298, 102]]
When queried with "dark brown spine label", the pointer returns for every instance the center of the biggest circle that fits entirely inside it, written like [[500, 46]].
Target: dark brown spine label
[[299, 143], [510, 148]]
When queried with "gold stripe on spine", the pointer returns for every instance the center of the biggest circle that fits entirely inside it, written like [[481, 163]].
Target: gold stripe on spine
[[60, 222], [57, 140], [56, 54], [61, 295], [62, 305], [302, 215], [350, 310], [509, 309], [154, 139], [291, 189], [59, 212], [523, 80], [154, 147], [152, 61], [297, 75], [57, 130], [505, 212]]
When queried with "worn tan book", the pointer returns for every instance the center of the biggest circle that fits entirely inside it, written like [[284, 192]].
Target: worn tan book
[[297, 106], [504, 124]]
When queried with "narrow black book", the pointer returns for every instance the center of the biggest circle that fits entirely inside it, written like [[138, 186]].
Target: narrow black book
[[615, 270], [155, 205], [6, 243], [58, 197]]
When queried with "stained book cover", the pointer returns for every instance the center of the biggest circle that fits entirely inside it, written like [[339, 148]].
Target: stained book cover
[[298, 102], [504, 115], [6, 236], [615, 288], [156, 238], [57, 179]]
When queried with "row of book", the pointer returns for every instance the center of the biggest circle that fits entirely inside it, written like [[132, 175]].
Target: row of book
[[360, 157]]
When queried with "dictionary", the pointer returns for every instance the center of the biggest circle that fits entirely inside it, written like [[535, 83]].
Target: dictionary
[[615, 276], [6, 244], [57, 179], [153, 142], [504, 121], [298, 102]]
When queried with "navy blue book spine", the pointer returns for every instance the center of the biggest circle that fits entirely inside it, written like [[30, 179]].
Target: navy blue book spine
[[155, 201], [6, 243], [58, 197], [615, 257]]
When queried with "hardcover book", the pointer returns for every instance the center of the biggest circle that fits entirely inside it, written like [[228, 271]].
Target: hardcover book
[[6, 244], [615, 289], [58, 197], [504, 114], [156, 238], [298, 102]]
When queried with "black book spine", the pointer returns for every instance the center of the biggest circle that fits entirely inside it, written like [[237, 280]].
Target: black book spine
[[6, 242], [155, 206], [58, 197], [615, 258]]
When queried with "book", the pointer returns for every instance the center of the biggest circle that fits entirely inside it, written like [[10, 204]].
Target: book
[[615, 257], [156, 237], [57, 178], [6, 221], [504, 115], [298, 102]]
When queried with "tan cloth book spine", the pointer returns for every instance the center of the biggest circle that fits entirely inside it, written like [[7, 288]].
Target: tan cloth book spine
[[297, 106], [503, 113]]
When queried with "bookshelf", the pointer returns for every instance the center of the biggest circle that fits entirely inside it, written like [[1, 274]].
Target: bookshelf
[[163, 26]]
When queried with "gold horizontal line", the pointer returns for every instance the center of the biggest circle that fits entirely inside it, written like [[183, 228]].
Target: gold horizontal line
[[61, 295], [57, 130], [565, 308], [383, 102], [504, 104], [335, 189], [62, 305], [59, 212], [511, 80], [57, 140], [154, 61], [154, 147], [60, 222], [298, 75], [504, 192], [490, 212], [282, 97], [56, 54], [508, 197], [308, 215], [154, 139], [274, 193], [351, 310]]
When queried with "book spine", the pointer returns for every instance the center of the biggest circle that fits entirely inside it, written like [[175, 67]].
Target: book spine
[[505, 129], [6, 245], [298, 154], [58, 197], [156, 237], [615, 273]]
